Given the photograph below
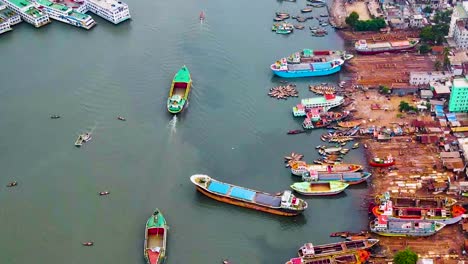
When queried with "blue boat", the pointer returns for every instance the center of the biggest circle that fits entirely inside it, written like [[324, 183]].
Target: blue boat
[[309, 63]]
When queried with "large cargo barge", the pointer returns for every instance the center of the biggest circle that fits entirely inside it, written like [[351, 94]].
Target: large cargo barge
[[285, 204], [363, 47], [299, 167]]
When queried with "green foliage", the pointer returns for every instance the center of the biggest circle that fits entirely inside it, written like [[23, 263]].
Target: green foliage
[[427, 10], [435, 33], [406, 256], [399, 115], [442, 17], [424, 48], [352, 19], [370, 25], [405, 107], [384, 89]]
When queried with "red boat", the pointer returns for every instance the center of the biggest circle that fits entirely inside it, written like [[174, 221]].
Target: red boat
[[378, 162], [297, 131]]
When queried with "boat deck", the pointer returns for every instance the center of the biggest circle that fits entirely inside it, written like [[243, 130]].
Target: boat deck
[[320, 187], [244, 194]]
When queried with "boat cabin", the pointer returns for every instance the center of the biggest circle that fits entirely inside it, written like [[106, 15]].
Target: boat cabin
[[288, 200]]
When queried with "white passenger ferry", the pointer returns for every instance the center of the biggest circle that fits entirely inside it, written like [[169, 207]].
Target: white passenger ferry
[[111, 10], [65, 14], [28, 12]]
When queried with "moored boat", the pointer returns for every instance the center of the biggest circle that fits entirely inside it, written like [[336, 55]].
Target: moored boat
[[83, 138], [306, 10], [379, 162], [349, 124], [285, 204], [350, 178], [155, 238], [363, 47], [385, 226], [358, 257], [308, 63], [356, 145], [309, 251], [444, 210], [202, 16], [297, 131], [299, 167], [319, 187], [179, 92]]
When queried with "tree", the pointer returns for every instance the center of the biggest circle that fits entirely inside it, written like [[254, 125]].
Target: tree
[[437, 65], [404, 106], [384, 89], [352, 19], [406, 256], [424, 48], [427, 10], [427, 34]]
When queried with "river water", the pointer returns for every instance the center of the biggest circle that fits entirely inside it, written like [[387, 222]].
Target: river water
[[231, 131]]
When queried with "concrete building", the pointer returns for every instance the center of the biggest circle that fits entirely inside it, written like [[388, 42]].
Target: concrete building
[[457, 60], [459, 95], [459, 12], [421, 78], [416, 21], [440, 90], [460, 34]]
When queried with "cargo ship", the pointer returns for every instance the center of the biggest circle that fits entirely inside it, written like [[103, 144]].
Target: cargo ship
[[308, 63], [444, 210], [362, 47], [357, 257], [285, 203], [299, 167], [385, 226]]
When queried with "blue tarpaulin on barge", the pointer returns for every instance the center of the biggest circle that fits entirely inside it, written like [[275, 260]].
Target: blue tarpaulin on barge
[[219, 187], [242, 193]]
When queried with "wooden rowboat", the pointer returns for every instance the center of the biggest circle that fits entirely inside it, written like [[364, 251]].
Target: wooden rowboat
[[349, 124], [156, 238]]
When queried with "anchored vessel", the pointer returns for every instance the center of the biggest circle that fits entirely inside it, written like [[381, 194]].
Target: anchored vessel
[[350, 178], [363, 47], [299, 167], [443, 210], [111, 10], [285, 204], [319, 187], [379, 162], [28, 12], [180, 89], [8, 18], [385, 226], [155, 238], [307, 63], [65, 14], [323, 103], [357, 257]]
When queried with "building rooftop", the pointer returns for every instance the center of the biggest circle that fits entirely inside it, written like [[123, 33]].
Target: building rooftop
[[6, 13], [34, 12], [58, 7], [70, 3], [79, 15], [460, 83], [417, 17], [458, 57], [440, 88], [108, 4]]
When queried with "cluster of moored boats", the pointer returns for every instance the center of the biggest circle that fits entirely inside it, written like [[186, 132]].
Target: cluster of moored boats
[[283, 91], [323, 89]]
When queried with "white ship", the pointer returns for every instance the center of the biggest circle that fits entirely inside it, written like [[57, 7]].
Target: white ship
[[65, 14], [8, 18], [28, 12], [111, 10]]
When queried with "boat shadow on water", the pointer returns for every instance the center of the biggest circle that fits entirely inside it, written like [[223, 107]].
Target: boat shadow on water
[[203, 201]]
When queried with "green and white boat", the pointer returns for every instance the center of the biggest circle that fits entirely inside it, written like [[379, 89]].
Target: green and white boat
[[156, 238], [319, 187], [180, 89]]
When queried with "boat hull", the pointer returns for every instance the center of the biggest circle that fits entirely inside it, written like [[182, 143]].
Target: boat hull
[[374, 164], [446, 221], [257, 207], [308, 73], [404, 234], [319, 193]]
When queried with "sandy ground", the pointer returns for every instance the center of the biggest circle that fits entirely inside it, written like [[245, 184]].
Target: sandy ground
[[360, 8]]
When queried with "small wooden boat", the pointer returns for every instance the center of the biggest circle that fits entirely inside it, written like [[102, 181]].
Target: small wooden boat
[[54, 116], [155, 238], [306, 10], [282, 14], [365, 146], [299, 26], [179, 92], [285, 203], [356, 145], [379, 162], [202, 16], [104, 193], [12, 184], [121, 118], [278, 19], [297, 131], [324, 15], [83, 138], [88, 244], [319, 187], [349, 124]]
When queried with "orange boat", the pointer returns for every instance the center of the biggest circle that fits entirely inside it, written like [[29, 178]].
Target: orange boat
[[349, 124]]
